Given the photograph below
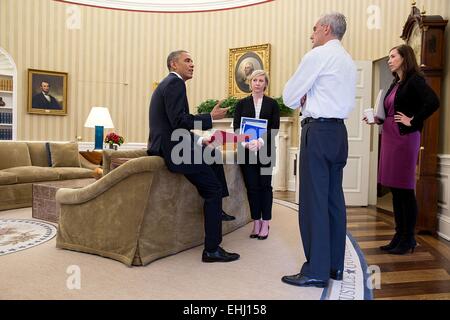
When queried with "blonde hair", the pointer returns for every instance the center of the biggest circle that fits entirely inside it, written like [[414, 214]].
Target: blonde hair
[[258, 73]]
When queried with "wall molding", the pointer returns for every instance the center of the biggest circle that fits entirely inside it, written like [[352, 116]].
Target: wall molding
[[173, 6], [89, 145]]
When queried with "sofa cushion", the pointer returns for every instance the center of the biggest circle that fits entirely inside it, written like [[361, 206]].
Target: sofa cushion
[[117, 162], [73, 173], [14, 154], [64, 154], [7, 178], [33, 174], [38, 154]]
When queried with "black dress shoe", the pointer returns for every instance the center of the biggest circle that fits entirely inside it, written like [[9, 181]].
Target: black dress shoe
[[220, 255], [336, 275], [304, 281], [227, 217]]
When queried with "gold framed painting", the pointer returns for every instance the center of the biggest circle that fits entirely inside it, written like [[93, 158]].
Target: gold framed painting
[[47, 92], [242, 62]]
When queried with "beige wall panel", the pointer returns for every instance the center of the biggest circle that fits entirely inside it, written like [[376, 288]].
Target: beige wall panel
[[115, 56]]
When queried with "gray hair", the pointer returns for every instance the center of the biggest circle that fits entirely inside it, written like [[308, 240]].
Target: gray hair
[[336, 21], [172, 57], [258, 73]]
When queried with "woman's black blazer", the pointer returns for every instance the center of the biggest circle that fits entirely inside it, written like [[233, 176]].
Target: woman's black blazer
[[269, 110], [414, 98]]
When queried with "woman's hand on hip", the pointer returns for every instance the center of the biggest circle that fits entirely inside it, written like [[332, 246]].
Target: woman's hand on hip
[[400, 117]]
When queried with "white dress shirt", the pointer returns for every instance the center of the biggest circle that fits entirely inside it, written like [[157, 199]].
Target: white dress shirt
[[258, 105], [327, 75]]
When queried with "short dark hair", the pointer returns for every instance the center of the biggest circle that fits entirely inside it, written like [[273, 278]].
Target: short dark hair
[[172, 57], [43, 81], [409, 65]]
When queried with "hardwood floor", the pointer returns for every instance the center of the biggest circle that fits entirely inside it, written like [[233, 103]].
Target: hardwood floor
[[422, 275]]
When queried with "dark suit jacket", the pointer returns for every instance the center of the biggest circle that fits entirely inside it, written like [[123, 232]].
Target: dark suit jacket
[[269, 110], [169, 110], [40, 102], [414, 98]]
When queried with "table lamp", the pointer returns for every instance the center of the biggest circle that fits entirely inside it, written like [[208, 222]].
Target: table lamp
[[99, 118]]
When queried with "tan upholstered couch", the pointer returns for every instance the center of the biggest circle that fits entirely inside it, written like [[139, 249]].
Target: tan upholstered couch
[[140, 211], [25, 163]]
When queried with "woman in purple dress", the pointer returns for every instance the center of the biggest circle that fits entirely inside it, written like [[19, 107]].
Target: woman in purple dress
[[408, 102]]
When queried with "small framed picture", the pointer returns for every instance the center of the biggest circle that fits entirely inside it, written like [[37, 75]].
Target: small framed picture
[[242, 62], [47, 92]]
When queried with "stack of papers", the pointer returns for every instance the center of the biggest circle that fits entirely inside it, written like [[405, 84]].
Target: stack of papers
[[379, 106]]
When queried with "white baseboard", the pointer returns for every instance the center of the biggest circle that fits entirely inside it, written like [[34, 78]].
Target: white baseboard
[[444, 227], [444, 196]]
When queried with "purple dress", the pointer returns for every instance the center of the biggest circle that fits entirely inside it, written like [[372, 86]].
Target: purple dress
[[398, 156]]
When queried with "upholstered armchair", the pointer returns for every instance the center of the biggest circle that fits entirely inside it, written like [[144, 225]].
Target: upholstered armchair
[[140, 211]]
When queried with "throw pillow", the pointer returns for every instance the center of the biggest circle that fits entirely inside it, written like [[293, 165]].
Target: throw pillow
[[38, 154], [64, 154], [49, 154]]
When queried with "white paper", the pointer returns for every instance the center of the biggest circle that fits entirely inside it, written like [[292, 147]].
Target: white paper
[[379, 106]]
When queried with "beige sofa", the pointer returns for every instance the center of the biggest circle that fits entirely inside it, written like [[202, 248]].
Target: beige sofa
[[140, 211], [25, 163]]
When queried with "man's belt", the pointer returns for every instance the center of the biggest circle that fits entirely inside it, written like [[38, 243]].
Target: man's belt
[[310, 120]]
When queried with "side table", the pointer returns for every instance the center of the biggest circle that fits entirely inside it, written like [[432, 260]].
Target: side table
[[44, 205], [95, 157]]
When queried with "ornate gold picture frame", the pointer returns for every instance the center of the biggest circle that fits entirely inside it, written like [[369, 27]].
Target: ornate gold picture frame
[[242, 62], [47, 92]]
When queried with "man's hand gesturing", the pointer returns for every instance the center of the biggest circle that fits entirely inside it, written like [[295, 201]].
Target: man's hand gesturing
[[217, 112]]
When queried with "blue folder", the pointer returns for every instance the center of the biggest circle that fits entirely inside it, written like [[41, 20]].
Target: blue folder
[[254, 127]]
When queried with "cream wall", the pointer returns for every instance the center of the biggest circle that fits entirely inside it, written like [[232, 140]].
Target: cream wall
[[115, 56]]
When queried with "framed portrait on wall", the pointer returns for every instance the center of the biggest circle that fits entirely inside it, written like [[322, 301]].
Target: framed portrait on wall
[[47, 92], [242, 62]]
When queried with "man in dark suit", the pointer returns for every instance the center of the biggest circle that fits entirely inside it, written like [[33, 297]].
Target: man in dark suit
[[44, 100], [169, 116]]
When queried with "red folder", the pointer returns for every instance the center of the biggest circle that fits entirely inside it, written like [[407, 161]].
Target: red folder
[[223, 137]]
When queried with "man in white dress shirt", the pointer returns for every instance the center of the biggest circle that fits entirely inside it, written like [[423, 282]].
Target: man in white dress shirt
[[326, 77]]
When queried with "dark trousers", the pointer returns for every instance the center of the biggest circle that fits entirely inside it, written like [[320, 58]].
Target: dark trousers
[[405, 213], [322, 213], [259, 191], [212, 186]]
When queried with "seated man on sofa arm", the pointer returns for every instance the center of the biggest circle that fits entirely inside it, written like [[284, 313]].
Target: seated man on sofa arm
[[169, 111]]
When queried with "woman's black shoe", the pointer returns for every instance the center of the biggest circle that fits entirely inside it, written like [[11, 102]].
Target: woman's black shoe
[[401, 250], [264, 237], [391, 245], [404, 247]]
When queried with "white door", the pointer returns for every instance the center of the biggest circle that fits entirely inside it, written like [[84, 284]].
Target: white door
[[356, 172]]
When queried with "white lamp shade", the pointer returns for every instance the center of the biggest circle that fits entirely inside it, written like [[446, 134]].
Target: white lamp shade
[[99, 116]]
